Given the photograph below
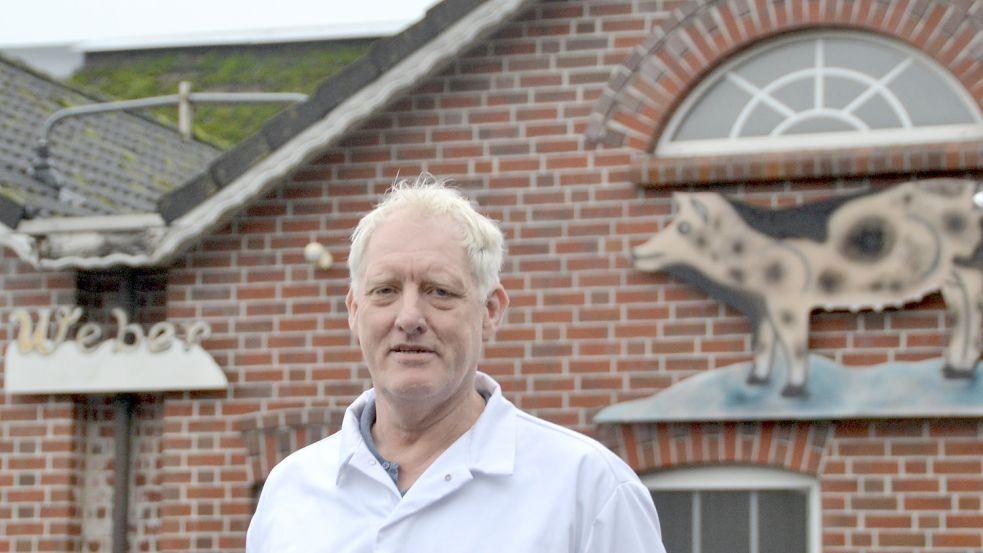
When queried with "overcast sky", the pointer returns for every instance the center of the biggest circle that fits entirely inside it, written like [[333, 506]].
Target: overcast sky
[[50, 22]]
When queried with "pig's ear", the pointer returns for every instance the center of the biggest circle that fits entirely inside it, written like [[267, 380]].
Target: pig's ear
[[679, 200]]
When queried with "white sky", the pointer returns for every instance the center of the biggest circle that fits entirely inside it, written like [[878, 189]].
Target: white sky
[[52, 22]]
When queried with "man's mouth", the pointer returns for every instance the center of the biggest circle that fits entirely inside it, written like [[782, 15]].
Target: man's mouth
[[410, 349]]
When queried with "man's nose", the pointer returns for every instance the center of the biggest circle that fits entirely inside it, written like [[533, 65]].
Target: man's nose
[[410, 317]]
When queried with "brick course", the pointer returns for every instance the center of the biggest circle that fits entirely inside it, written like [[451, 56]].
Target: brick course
[[548, 124]]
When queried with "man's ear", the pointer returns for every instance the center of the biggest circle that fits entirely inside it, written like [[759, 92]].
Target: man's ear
[[495, 306], [352, 306]]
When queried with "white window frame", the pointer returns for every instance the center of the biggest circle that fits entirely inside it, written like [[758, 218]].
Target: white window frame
[[745, 479], [824, 141]]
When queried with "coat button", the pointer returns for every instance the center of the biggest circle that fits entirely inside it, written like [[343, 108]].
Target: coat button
[[447, 477]]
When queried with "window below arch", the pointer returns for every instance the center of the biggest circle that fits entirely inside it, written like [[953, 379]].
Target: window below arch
[[820, 90], [736, 509]]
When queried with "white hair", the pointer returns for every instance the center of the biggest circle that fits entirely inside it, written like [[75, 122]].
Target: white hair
[[428, 195]]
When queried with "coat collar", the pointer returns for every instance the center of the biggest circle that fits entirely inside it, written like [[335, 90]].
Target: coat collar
[[489, 444]]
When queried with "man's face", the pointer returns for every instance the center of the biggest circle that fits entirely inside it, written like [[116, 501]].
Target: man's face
[[418, 316]]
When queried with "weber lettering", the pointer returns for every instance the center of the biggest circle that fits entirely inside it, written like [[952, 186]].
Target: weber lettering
[[130, 337]]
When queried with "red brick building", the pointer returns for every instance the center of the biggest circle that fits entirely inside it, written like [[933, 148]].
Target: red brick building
[[571, 122]]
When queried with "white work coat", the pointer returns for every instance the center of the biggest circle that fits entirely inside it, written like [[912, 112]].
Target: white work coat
[[511, 484]]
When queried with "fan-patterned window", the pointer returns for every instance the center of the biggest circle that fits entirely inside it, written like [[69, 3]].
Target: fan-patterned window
[[822, 90]]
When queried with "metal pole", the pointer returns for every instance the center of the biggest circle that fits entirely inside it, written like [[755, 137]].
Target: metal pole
[[123, 434], [171, 100], [42, 169], [184, 113], [124, 404]]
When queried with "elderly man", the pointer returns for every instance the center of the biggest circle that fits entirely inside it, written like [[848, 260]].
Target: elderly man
[[433, 458]]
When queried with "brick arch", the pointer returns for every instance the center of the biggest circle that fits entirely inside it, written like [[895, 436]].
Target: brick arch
[[644, 90], [794, 446], [271, 436]]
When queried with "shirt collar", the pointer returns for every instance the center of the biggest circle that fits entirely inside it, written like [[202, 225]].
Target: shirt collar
[[491, 441], [492, 447], [351, 435]]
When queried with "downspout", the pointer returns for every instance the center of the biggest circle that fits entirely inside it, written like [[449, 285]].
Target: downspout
[[124, 405]]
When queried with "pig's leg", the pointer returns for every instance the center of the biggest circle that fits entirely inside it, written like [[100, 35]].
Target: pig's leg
[[764, 352], [963, 292], [792, 329]]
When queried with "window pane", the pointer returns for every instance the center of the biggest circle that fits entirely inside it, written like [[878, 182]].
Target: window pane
[[869, 58], [818, 125], [781, 522], [724, 522], [839, 92], [775, 63], [878, 114], [676, 518], [722, 103], [919, 86], [799, 95], [762, 120]]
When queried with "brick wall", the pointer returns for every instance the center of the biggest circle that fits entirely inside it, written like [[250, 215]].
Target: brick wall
[[40, 442], [911, 485], [509, 121], [646, 87], [516, 122]]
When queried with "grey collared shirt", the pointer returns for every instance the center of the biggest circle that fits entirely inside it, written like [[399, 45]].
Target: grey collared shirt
[[365, 423]]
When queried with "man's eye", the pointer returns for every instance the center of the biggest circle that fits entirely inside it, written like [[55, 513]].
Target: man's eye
[[383, 291], [442, 293]]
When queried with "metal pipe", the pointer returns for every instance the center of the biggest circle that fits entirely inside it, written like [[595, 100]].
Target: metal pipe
[[170, 100], [123, 431], [185, 112], [42, 169]]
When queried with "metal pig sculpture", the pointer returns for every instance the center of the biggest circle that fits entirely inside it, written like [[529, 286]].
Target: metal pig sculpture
[[865, 251]]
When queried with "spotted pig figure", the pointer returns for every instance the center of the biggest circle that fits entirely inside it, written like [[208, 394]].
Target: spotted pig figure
[[866, 251]]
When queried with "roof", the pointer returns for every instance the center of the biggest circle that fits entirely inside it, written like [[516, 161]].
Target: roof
[[346, 30], [109, 164], [240, 176], [383, 57]]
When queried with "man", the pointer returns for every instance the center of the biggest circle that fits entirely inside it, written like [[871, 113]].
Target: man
[[434, 458]]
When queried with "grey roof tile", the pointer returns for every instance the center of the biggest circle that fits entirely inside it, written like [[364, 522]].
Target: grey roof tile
[[112, 163]]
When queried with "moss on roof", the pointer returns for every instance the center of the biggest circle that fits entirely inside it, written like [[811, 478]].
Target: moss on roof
[[271, 68]]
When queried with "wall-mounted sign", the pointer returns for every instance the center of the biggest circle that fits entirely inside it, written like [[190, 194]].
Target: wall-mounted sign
[[868, 251], [45, 358]]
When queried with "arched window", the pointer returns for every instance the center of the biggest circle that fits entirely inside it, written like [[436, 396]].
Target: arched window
[[822, 90], [737, 509]]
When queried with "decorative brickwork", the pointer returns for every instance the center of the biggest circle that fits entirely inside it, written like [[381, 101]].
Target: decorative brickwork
[[584, 330], [98, 476], [797, 447], [271, 437], [888, 161], [908, 484], [509, 121], [645, 89]]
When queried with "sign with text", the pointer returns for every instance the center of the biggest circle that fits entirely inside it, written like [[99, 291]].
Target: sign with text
[[45, 359]]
